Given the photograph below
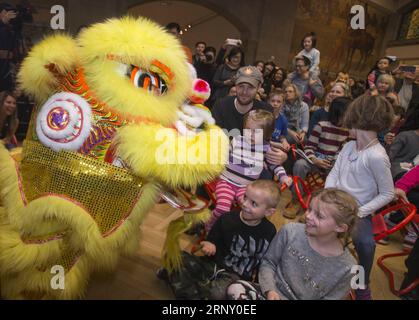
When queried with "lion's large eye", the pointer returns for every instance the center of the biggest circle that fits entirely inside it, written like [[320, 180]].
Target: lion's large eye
[[148, 80]]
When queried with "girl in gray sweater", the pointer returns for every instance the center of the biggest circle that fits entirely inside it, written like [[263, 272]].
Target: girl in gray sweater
[[311, 261]]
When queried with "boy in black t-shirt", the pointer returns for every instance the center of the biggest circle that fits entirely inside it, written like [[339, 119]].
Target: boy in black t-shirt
[[233, 248]]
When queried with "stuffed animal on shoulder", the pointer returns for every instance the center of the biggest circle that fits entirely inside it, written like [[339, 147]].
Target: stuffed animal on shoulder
[[193, 114]]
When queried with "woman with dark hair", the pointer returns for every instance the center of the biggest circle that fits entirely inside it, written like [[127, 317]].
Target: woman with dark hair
[[224, 77], [8, 119], [268, 71], [278, 78], [260, 65]]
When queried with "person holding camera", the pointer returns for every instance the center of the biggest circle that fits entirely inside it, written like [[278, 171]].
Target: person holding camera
[[7, 41], [199, 53], [224, 77], [206, 68], [408, 93]]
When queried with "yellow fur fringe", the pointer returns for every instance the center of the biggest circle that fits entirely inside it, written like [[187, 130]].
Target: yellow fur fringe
[[35, 78], [174, 159], [171, 256]]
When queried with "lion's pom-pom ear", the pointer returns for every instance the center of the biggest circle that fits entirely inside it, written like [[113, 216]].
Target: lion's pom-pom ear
[[47, 61]]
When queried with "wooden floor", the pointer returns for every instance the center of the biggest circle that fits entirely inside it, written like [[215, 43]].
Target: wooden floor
[[135, 277]]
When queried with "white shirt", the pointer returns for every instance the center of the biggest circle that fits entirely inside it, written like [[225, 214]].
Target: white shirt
[[405, 95], [365, 175]]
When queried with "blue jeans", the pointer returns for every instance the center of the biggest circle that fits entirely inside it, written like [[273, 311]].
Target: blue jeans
[[363, 239]]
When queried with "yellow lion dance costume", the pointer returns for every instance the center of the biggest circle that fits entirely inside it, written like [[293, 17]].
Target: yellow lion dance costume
[[102, 141]]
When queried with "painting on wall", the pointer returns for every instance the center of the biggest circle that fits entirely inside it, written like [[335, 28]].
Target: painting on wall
[[409, 29], [341, 47]]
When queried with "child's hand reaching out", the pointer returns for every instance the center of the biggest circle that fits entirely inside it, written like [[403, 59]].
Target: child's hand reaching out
[[287, 180], [208, 248], [285, 145], [399, 193]]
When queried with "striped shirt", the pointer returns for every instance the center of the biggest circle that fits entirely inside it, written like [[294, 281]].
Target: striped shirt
[[326, 140], [246, 162]]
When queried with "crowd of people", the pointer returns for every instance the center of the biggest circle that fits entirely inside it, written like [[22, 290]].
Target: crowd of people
[[361, 136], [15, 108]]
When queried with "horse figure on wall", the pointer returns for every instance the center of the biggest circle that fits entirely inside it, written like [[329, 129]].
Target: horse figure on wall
[[362, 41]]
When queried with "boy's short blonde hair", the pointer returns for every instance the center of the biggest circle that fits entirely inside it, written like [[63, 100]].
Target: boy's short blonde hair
[[271, 190], [277, 92], [370, 113], [266, 120]]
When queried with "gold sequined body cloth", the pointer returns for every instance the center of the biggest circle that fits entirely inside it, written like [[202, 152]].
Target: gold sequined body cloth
[[106, 192]]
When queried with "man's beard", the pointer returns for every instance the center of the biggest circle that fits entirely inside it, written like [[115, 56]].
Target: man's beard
[[244, 101]]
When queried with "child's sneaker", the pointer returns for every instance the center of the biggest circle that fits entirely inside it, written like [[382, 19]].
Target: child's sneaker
[[291, 210], [363, 294], [384, 241], [409, 240], [289, 213]]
